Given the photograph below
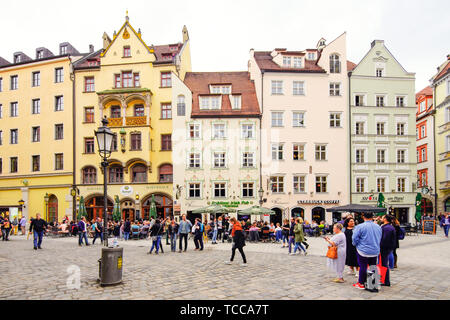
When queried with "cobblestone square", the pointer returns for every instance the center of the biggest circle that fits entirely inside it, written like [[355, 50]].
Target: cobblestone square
[[423, 273]]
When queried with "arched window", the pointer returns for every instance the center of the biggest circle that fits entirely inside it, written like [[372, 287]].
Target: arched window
[[89, 175], [335, 64], [181, 106], [166, 173], [115, 174], [139, 173]]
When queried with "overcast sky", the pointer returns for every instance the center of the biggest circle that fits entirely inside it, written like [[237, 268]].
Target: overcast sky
[[222, 32]]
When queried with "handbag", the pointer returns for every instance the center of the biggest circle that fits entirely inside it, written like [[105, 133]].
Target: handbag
[[332, 252]]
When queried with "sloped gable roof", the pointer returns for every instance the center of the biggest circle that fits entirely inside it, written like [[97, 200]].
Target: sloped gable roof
[[265, 63]]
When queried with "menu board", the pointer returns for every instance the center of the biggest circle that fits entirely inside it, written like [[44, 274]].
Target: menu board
[[429, 226]]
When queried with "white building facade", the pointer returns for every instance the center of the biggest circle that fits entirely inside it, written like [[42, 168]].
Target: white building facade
[[303, 97], [215, 142]]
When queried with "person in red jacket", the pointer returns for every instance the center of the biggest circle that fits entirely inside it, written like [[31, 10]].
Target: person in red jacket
[[238, 241]]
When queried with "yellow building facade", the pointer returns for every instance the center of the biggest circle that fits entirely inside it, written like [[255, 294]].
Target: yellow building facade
[[129, 83], [36, 133], [441, 97]]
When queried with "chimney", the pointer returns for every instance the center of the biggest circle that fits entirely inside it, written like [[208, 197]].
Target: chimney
[[448, 57], [91, 48]]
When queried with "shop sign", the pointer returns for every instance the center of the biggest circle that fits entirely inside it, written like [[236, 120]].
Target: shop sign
[[318, 201], [126, 190], [231, 204]]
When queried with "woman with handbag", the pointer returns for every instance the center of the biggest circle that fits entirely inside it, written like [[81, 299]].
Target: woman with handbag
[[238, 241], [337, 252]]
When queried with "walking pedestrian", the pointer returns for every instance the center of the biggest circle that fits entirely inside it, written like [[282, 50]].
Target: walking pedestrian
[[366, 238], [445, 223], [237, 233], [23, 225], [156, 232], [98, 232], [350, 256], [285, 232], [215, 227], [198, 235], [6, 229], [291, 234], [82, 232], [219, 229], [387, 244], [183, 232], [299, 237], [38, 226], [340, 242], [173, 231], [126, 229]]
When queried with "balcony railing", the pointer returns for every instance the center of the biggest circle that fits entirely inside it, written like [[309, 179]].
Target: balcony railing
[[136, 121], [115, 122]]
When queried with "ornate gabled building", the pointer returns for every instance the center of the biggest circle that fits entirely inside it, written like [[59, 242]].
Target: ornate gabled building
[[129, 83], [383, 143]]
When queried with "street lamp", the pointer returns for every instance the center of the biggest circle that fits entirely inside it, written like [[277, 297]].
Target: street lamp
[[261, 194], [46, 197], [21, 203], [104, 140], [110, 270]]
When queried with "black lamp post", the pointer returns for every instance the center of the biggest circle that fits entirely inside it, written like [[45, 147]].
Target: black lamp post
[[104, 139], [261, 194]]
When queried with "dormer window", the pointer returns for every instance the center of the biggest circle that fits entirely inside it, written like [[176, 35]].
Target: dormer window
[[17, 58], [63, 50], [220, 89], [379, 72], [297, 62], [237, 101], [286, 61], [311, 56], [126, 52], [167, 56], [40, 54], [210, 102]]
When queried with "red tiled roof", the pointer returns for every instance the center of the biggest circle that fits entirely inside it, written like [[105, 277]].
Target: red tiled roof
[[164, 51], [265, 62], [199, 82], [443, 72], [351, 65], [427, 91]]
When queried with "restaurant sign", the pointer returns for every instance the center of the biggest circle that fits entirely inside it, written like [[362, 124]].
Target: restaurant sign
[[231, 204], [318, 201]]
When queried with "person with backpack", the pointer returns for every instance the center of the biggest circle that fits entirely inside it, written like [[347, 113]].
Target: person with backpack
[[387, 244], [198, 235], [98, 230], [366, 238], [6, 229]]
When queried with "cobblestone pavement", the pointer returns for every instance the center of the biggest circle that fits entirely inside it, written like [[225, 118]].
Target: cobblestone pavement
[[423, 273]]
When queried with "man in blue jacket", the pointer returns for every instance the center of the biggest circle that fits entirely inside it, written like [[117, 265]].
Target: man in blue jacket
[[183, 231], [366, 238]]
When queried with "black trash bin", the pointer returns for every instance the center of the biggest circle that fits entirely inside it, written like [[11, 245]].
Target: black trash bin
[[110, 266]]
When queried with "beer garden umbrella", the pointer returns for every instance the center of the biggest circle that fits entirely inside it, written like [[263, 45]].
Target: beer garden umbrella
[[213, 209], [256, 210], [418, 207], [82, 209], [116, 211]]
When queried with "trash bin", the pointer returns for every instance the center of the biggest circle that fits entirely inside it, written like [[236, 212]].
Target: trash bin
[[110, 266]]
